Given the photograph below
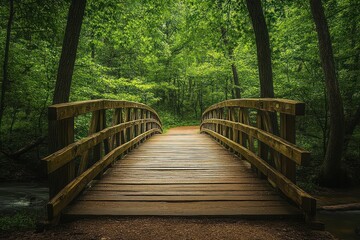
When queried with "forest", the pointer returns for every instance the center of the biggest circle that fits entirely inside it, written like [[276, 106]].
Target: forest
[[180, 57]]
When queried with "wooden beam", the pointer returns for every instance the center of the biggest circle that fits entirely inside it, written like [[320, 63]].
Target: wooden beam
[[296, 154], [72, 109], [265, 104]]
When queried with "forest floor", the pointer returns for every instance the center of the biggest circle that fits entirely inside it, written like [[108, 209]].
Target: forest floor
[[174, 228]]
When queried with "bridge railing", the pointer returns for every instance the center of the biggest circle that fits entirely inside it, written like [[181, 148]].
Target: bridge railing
[[263, 132], [73, 165]]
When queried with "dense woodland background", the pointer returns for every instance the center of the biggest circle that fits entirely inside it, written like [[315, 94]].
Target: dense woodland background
[[179, 57]]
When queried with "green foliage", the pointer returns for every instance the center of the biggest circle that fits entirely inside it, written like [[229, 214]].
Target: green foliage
[[171, 55], [20, 221], [169, 121]]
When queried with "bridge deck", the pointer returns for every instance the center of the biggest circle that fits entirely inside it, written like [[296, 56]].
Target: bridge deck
[[181, 173]]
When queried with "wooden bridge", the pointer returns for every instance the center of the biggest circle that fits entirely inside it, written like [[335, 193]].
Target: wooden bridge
[[238, 167]]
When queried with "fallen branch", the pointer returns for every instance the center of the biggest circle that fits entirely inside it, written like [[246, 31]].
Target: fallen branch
[[15, 155], [341, 207]]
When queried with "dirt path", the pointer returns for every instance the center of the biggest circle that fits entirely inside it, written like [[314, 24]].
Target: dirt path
[[175, 228]]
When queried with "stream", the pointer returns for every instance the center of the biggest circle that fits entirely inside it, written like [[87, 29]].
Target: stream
[[15, 197]]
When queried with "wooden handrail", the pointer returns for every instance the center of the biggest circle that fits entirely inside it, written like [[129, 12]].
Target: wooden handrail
[[72, 165], [265, 104], [293, 152], [275, 157], [73, 109]]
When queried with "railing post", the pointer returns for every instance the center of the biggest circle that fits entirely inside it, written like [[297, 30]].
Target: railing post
[[98, 149], [217, 117], [61, 134], [288, 132], [147, 124], [84, 161], [262, 148]]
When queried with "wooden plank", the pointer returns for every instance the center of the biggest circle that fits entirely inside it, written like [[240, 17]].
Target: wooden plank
[[228, 208], [182, 187], [178, 198]]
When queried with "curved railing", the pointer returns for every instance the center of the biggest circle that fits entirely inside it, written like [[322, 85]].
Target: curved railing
[[247, 127], [73, 165]]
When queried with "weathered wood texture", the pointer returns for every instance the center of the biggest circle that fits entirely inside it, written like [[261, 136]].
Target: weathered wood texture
[[72, 165], [181, 173], [250, 134]]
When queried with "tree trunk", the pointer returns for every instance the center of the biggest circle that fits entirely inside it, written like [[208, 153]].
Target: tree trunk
[[68, 54], [331, 174], [5, 81], [263, 48], [233, 66], [350, 128], [236, 81], [263, 55]]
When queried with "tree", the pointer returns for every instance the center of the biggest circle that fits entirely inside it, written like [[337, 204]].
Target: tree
[[229, 45], [69, 49], [331, 169], [263, 47], [5, 80]]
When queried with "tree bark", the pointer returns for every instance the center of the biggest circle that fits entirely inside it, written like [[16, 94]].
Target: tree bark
[[5, 80], [68, 54], [330, 174], [263, 48]]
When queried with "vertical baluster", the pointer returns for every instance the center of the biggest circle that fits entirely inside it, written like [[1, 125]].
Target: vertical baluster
[[143, 117], [61, 134], [288, 132], [84, 161], [262, 148], [98, 149], [233, 118]]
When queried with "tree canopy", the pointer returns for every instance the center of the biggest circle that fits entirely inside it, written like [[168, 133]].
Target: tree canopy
[[179, 57]]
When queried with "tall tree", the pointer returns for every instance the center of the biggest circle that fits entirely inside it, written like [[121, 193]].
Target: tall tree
[[263, 47], [5, 78], [230, 49], [330, 174], [69, 49]]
